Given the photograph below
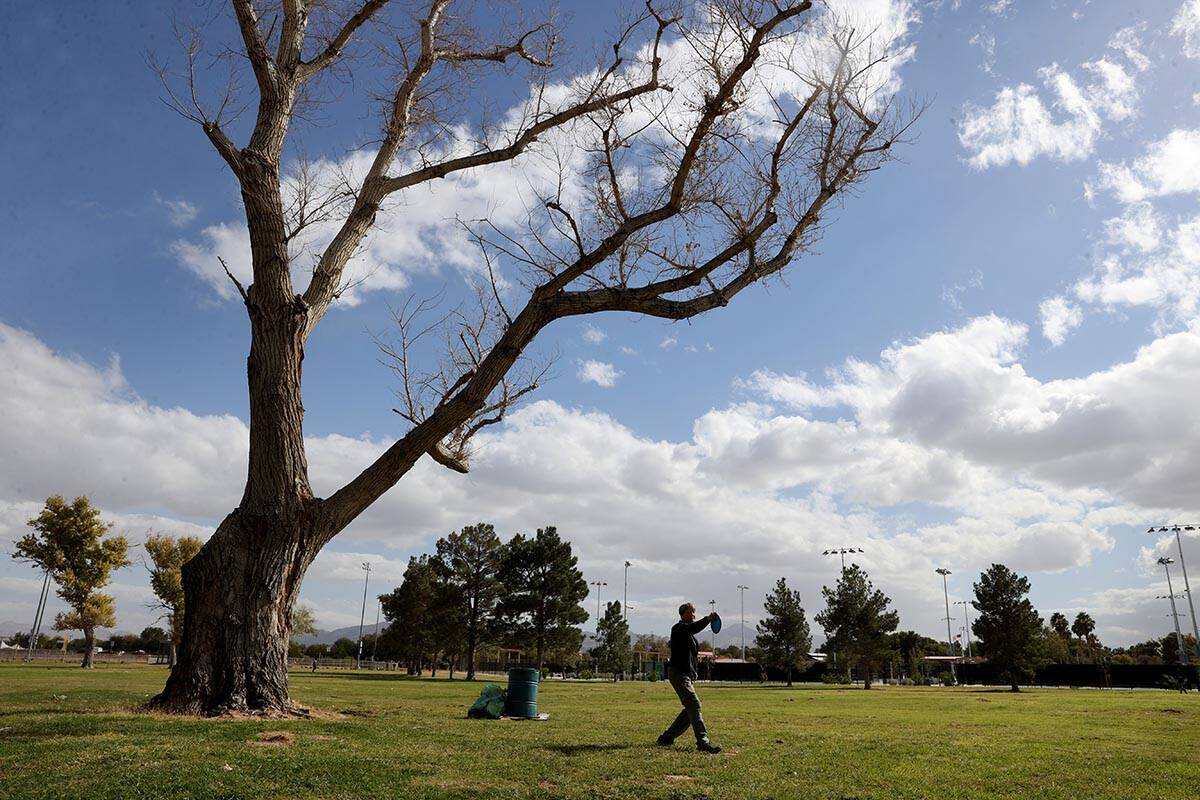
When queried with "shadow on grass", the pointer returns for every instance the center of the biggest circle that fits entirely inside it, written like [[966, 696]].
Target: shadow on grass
[[590, 747]]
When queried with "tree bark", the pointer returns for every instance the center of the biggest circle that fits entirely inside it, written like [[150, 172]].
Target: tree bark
[[89, 647], [240, 591], [172, 660]]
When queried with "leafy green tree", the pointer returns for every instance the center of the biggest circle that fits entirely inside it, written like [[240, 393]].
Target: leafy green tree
[[304, 621], [1169, 647], [428, 619], [911, 648], [1008, 624], [857, 622], [343, 648], [155, 639], [1082, 627], [783, 635], [543, 589], [471, 562], [613, 652], [167, 557], [69, 541]]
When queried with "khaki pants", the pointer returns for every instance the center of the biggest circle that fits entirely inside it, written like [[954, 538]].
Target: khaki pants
[[690, 715]]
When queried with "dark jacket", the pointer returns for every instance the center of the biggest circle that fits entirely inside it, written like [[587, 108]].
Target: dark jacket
[[684, 646]]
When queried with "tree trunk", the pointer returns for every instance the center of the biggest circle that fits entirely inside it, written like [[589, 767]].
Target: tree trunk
[[240, 590], [89, 647], [789, 675], [172, 659]]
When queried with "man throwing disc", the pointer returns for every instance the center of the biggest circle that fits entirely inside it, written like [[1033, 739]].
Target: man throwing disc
[[681, 672]]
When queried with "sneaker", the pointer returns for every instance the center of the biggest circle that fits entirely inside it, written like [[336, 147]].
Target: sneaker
[[664, 741], [707, 747]]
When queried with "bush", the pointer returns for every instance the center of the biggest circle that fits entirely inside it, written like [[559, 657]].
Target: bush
[[947, 678], [836, 678], [585, 674]]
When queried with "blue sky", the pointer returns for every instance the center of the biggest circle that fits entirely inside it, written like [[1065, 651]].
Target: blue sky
[[1008, 312]]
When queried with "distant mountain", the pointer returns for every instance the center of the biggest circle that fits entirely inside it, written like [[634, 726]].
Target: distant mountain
[[8, 627], [349, 632]]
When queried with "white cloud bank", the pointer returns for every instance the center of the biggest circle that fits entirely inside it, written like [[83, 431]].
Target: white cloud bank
[[600, 373], [999, 465]]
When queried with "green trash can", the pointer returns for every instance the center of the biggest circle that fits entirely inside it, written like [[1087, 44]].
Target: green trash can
[[522, 693]]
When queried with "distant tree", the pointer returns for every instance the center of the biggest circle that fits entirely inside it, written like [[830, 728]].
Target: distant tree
[[471, 560], [728, 651], [1169, 647], [317, 650], [543, 589], [1060, 625], [1082, 627], [613, 651], [343, 648], [1056, 648], [304, 621], [783, 635], [69, 541], [911, 648], [155, 639], [410, 610], [857, 622], [167, 557], [1007, 623]]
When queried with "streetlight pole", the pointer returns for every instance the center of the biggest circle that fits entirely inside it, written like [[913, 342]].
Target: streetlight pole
[[967, 618], [1166, 565], [949, 640], [841, 551], [375, 640], [598, 584], [625, 601], [1186, 586], [363, 617], [712, 608], [742, 589]]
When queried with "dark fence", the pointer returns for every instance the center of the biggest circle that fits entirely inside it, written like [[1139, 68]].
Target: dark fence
[[1110, 676]]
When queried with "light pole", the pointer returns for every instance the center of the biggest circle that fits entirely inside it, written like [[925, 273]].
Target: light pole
[[841, 551], [625, 601], [363, 617], [1166, 565], [967, 618], [742, 589], [949, 640], [375, 640], [712, 608], [1183, 567], [598, 584]]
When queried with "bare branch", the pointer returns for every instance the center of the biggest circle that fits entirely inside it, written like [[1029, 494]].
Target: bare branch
[[333, 50]]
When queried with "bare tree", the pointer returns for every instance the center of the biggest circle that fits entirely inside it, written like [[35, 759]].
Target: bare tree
[[698, 160]]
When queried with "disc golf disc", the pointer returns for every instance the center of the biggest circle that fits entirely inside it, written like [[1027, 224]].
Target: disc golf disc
[[715, 623]]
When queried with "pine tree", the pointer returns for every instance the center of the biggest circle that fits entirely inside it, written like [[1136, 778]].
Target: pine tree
[[543, 589], [613, 652], [857, 622], [471, 560], [783, 635], [1008, 624]]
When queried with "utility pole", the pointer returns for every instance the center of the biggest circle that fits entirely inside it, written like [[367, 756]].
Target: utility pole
[[363, 617], [742, 589], [36, 630], [1166, 564], [949, 638], [1187, 587]]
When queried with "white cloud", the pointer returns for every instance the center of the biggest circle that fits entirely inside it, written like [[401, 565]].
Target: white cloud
[[1020, 126], [987, 43], [599, 373], [668, 342], [1059, 318], [1011, 468], [1187, 25], [1169, 166], [592, 334], [1128, 42], [179, 211]]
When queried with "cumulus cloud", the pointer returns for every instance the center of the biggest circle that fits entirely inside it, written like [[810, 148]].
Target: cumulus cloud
[[593, 335], [1004, 466], [1059, 318], [1186, 25], [1062, 122], [1170, 165], [598, 372], [179, 211]]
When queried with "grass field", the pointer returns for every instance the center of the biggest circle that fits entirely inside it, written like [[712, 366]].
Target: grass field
[[66, 733]]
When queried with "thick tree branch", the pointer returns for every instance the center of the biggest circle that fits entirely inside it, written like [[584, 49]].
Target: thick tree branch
[[333, 50]]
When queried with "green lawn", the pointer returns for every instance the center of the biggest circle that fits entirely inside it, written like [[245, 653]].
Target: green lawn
[[66, 733]]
